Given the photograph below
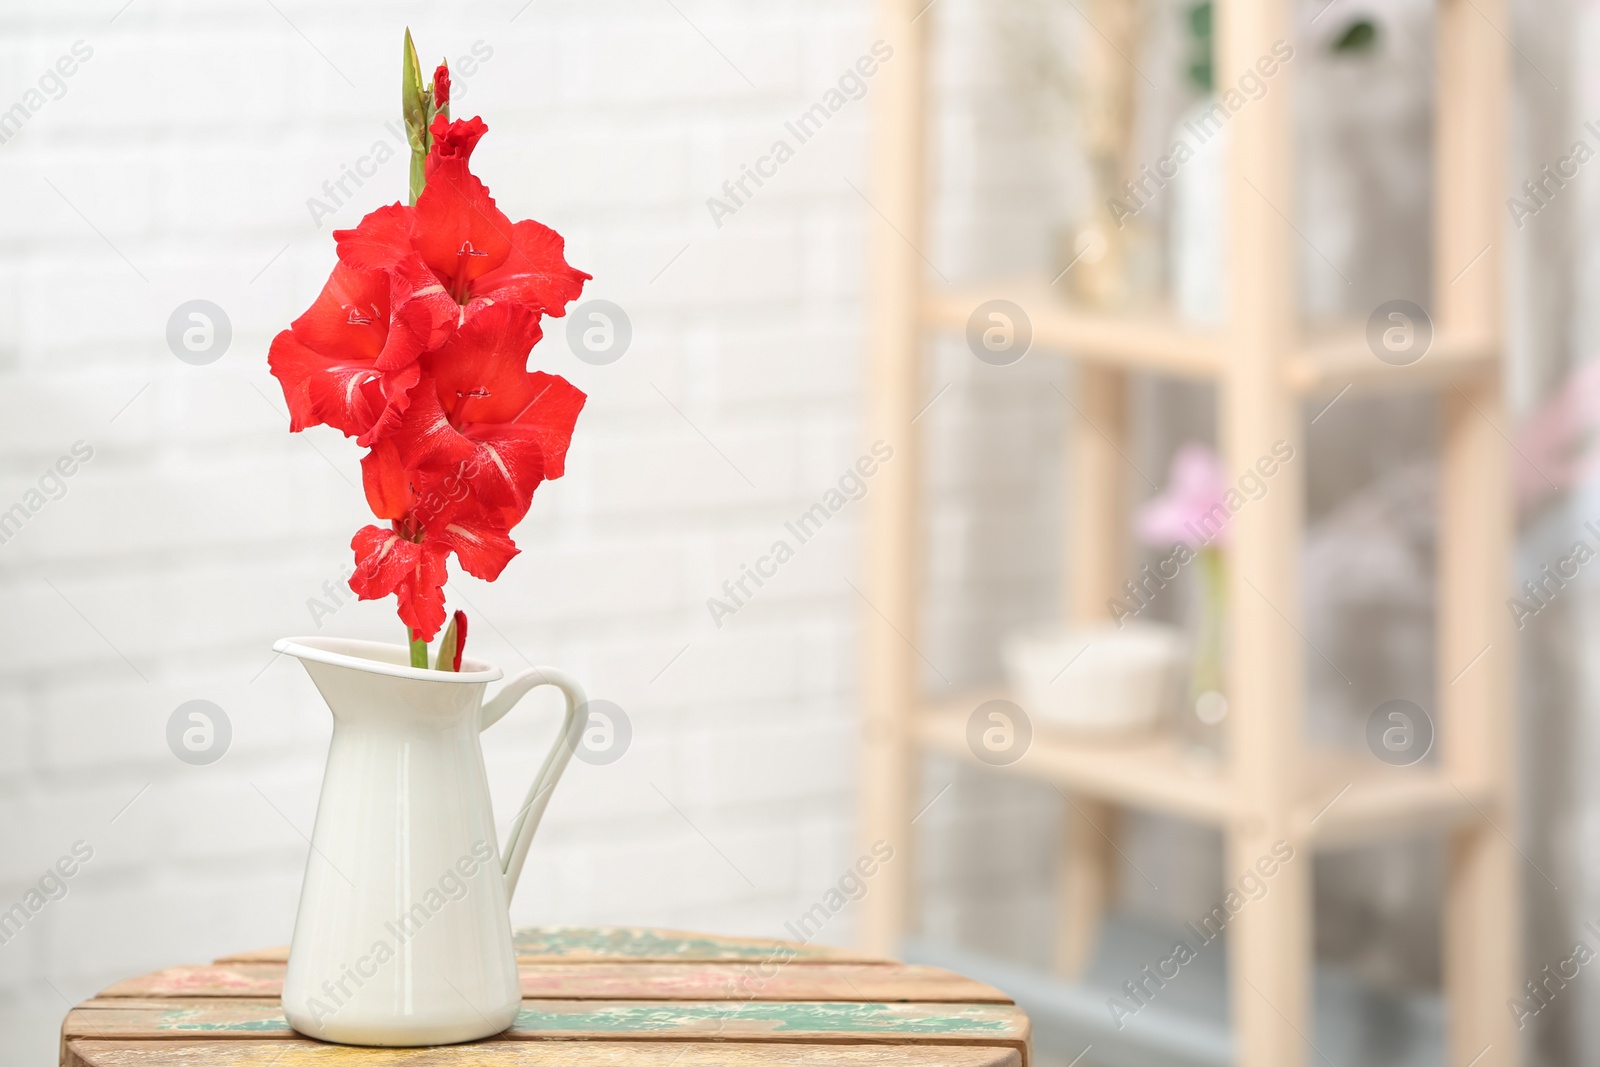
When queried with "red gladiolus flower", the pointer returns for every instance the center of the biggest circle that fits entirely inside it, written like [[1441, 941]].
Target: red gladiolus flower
[[418, 347], [504, 427], [471, 248], [350, 361], [453, 141], [432, 516]]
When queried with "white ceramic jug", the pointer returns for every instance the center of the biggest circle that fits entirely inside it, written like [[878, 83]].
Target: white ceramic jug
[[403, 935]]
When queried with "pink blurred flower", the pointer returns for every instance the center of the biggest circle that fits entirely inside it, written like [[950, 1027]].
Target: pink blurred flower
[[1193, 510], [1553, 446]]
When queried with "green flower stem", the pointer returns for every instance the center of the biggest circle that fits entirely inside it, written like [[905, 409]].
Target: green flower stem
[[419, 650]]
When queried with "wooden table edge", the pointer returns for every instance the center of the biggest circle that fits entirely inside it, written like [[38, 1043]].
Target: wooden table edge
[[76, 1052]]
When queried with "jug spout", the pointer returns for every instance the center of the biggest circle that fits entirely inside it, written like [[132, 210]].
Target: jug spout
[[370, 680]]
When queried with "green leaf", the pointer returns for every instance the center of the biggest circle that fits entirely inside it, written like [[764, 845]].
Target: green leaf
[[1360, 37], [415, 104], [413, 94], [1199, 70]]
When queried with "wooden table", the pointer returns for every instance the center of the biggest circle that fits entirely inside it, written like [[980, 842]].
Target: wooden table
[[608, 997]]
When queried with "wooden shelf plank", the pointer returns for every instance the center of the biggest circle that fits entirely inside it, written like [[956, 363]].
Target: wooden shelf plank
[[1150, 341], [1151, 773], [1328, 359], [1353, 800], [1331, 360], [1349, 798]]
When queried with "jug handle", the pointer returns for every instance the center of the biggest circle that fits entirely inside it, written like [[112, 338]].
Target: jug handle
[[566, 743]]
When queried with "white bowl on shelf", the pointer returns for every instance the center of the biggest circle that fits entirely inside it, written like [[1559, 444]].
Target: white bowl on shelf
[[1098, 680]]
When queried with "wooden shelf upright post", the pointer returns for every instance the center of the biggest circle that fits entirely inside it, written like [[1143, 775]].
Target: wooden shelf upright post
[[890, 664], [1270, 941], [1096, 562], [1483, 914]]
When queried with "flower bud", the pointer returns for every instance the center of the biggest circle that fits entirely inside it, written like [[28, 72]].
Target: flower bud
[[441, 90], [455, 640]]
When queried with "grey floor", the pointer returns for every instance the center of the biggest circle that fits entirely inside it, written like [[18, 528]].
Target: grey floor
[[1185, 1022]]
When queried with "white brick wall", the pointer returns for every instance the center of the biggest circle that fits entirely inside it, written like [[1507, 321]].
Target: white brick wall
[[184, 152]]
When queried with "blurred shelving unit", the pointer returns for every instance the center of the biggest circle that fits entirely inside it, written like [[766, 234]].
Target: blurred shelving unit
[[1274, 785]]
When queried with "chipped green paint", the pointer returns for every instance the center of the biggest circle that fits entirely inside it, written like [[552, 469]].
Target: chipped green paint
[[775, 1017], [637, 943], [952, 1021], [778, 1017], [191, 1020]]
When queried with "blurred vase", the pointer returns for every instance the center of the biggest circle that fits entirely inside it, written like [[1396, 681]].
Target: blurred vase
[[1108, 268], [1204, 722], [403, 936], [1099, 681]]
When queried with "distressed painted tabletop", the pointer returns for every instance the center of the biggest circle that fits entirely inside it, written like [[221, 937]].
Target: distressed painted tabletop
[[608, 997]]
